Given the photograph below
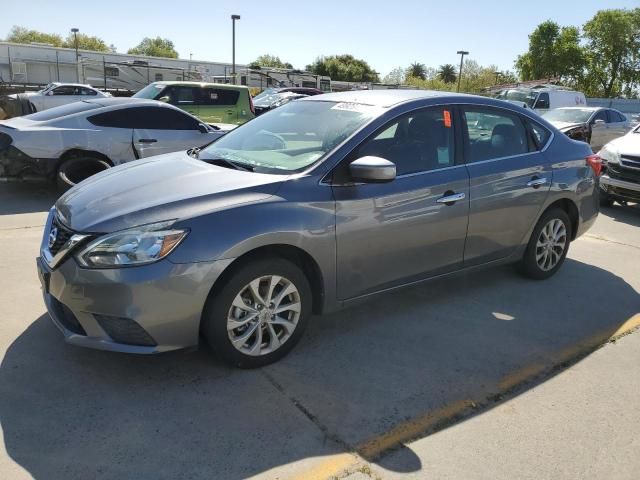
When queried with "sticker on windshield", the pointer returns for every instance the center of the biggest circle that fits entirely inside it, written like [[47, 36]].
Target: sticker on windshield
[[352, 107]]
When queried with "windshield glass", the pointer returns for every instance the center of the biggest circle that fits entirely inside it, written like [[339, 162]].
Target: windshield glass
[[64, 110], [269, 100], [292, 137], [525, 96], [265, 93], [569, 115], [150, 92]]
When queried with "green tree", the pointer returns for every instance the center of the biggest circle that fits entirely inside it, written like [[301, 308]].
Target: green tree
[[269, 61], [417, 70], [155, 47], [613, 46], [395, 77], [24, 35], [553, 52], [447, 73], [86, 42], [345, 68]]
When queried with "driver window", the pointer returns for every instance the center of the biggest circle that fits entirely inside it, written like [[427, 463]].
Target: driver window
[[418, 141], [66, 90], [601, 115]]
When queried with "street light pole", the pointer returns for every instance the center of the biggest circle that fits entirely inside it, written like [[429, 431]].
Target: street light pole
[[462, 53], [233, 48], [75, 41]]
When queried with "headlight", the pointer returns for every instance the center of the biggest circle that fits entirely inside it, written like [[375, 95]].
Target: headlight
[[135, 246], [609, 155]]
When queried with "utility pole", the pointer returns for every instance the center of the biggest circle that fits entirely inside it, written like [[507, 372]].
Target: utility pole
[[462, 53], [233, 48], [75, 41]]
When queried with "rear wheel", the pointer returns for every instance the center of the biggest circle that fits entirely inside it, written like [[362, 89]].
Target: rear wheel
[[548, 245], [259, 314], [78, 168]]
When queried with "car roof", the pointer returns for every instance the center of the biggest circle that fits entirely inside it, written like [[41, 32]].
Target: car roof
[[112, 101], [385, 98], [66, 84], [593, 109], [202, 84]]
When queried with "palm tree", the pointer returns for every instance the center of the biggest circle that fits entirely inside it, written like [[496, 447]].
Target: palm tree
[[447, 73], [417, 70]]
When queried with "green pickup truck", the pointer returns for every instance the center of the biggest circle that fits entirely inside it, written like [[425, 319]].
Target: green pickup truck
[[211, 102]]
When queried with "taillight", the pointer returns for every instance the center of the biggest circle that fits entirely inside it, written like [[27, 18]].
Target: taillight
[[595, 162], [251, 107]]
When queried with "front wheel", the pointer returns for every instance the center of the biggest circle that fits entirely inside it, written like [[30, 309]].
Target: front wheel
[[76, 169], [259, 314], [548, 245]]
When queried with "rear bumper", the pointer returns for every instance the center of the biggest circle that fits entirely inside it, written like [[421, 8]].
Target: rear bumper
[[15, 164], [147, 309]]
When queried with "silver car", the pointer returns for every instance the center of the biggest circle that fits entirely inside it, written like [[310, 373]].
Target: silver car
[[595, 125], [310, 208]]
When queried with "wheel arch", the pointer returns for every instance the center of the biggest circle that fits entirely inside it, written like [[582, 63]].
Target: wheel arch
[[570, 207], [76, 152], [309, 266]]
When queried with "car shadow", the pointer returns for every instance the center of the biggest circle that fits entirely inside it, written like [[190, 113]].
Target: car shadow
[[23, 197], [72, 413], [629, 214]]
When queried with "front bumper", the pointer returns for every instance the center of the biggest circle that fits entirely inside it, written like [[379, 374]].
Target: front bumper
[[15, 164], [160, 305], [617, 183]]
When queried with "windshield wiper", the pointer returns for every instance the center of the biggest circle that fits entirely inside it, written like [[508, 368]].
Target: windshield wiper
[[222, 162]]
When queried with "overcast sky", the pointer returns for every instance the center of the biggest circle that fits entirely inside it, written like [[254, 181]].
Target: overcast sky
[[384, 33]]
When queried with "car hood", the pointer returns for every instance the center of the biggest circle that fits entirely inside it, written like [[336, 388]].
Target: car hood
[[628, 144], [562, 126], [166, 187]]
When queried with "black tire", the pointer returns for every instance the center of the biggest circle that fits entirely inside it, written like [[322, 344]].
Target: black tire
[[605, 199], [219, 304], [528, 266], [75, 169]]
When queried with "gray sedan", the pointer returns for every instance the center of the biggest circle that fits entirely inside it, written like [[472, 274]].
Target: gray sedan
[[310, 208]]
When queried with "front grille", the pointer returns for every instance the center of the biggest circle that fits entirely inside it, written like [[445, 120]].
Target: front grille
[[125, 330], [66, 317], [622, 173], [624, 193], [63, 235]]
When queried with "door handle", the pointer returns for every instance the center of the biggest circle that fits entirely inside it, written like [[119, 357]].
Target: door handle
[[450, 199], [536, 182], [147, 140]]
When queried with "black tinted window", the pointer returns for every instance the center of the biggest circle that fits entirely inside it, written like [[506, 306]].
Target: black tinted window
[[543, 101], [65, 90], [494, 133], [86, 91], [601, 115], [146, 118], [416, 142], [178, 95], [217, 96], [539, 135], [616, 116]]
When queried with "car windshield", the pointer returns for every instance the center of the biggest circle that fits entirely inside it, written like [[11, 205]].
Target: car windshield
[[525, 96], [150, 92], [569, 115], [62, 111], [265, 93], [292, 137], [269, 100]]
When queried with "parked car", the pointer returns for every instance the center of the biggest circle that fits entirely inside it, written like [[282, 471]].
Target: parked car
[[543, 98], [317, 205], [275, 100], [72, 142], [56, 94], [210, 102], [309, 91], [621, 167], [594, 125]]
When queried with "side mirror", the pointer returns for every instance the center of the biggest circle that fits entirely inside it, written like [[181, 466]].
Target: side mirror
[[372, 170], [164, 99], [203, 128], [599, 123], [49, 93]]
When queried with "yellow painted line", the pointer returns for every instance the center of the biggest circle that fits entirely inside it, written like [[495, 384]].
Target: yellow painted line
[[411, 429], [328, 467], [334, 465], [580, 348]]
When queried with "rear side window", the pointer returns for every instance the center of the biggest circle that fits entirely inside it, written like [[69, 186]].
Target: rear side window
[[601, 115], [146, 118], [178, 95], [493, 133], [86, 91], [616, 117], [65, 90], [539, 135], [217, 96]]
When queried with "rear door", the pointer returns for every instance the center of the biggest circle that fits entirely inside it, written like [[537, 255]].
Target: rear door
[[159, 130], [509, 180], [218, 105], [183, 97]]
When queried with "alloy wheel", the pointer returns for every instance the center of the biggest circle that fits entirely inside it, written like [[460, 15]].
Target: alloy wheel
[[551, 244], [263, 315]]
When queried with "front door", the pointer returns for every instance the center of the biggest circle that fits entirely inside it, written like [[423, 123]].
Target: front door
[[397, 232], [509, 180], [162, 130]]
